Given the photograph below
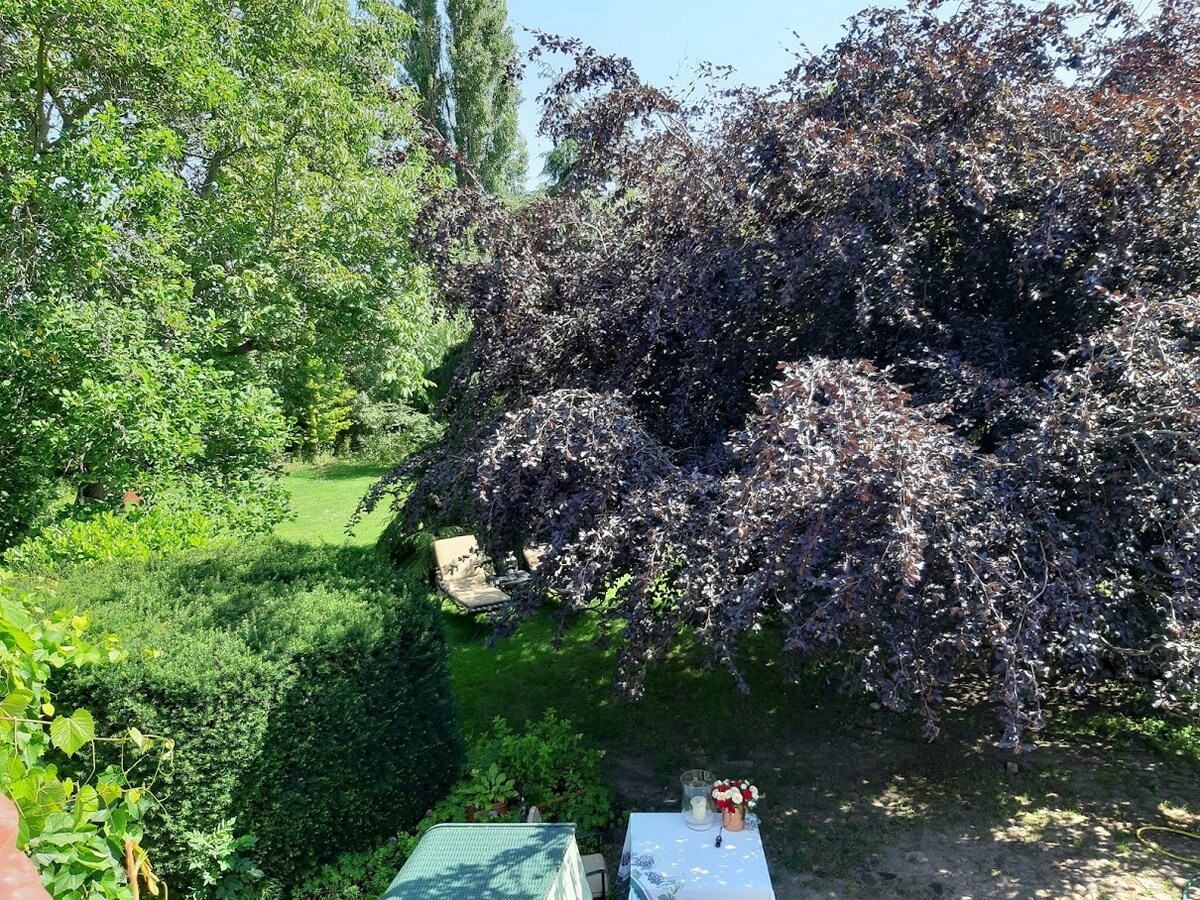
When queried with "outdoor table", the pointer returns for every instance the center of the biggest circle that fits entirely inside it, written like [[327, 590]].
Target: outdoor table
[[500, 861], [665, 858], [510, 580]]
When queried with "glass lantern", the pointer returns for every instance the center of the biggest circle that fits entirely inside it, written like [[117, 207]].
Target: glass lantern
[[696, 803]]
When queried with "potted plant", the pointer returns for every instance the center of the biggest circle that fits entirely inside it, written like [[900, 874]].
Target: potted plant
[[734, 798], [487, 793]]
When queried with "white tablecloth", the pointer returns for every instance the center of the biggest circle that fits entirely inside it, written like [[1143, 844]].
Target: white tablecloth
[[669, 860]]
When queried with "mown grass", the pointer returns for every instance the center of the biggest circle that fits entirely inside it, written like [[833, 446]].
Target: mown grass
[[689, 709], [323, 499]]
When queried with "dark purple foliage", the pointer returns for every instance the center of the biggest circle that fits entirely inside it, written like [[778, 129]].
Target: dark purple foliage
[[901, 357]]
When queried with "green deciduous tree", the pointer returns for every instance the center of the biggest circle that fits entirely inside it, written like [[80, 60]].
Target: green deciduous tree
[[484, 92], [205, 216], [423, 62], [470, 93]]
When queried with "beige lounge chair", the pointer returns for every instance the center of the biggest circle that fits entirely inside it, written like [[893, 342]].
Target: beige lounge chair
[[461, 576]]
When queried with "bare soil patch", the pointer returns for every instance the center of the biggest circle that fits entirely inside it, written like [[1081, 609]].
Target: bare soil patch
[[871, 810]]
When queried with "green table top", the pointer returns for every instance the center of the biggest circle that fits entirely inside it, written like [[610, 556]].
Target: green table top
[[501, 861]]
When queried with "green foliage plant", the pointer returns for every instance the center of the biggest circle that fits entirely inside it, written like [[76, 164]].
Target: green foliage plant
[[223, 864], [93, 403], [321, 402], [75, 817], [358, 876], [485, 788], [388, 432], [307, 688], [112, 536], [553, 769]]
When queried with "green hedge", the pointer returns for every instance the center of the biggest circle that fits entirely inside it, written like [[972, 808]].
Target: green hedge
[[306, 688]]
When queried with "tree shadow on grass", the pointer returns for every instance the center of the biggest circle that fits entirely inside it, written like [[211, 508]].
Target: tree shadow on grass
[[339, 470], [858, 804], [863, 807]]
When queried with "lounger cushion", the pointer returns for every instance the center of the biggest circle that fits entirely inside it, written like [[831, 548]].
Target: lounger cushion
[[474, 593], [533, 556], [458, 557]]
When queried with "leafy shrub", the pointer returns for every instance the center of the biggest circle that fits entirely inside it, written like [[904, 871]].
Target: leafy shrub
[[222, 864], [308, 689], [358, 876], [90, 397], [114, 536], [74, 823], [944, 299], [388, 432], [320, 400], [552, 768]]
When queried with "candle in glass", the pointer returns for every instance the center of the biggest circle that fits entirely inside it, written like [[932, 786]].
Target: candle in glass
[[699, 808]]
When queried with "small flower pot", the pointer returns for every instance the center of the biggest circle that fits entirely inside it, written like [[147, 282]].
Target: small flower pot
[[482, 815], [733, 821]]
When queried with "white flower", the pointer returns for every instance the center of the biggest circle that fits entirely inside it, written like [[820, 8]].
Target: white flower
[[754, 792], [737, 797]]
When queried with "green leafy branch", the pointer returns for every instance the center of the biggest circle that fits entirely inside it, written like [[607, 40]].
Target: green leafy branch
[[75, 821]]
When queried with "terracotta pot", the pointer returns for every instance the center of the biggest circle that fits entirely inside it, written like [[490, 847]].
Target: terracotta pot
[[733, 821], [482, 815]]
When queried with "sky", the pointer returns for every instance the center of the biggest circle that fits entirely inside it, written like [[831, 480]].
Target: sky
[[665, 39]]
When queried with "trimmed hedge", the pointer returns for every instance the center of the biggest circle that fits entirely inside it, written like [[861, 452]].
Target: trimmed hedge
[[306, 688]]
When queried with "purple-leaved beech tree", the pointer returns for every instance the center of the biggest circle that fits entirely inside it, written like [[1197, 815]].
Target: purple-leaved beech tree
[[900, 357]]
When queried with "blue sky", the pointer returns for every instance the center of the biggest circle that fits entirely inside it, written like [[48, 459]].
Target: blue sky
[[665, 39]]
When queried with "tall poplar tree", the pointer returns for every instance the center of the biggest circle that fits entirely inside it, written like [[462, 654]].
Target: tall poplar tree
[[424, 62], [470, 93]]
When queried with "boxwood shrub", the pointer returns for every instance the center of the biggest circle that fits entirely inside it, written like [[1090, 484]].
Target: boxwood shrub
[[306, 688]]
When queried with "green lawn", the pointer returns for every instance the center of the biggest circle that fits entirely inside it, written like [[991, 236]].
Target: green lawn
[[520, 677], [324, 497]]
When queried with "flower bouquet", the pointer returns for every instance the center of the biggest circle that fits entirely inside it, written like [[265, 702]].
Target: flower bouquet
[[734, 798]]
